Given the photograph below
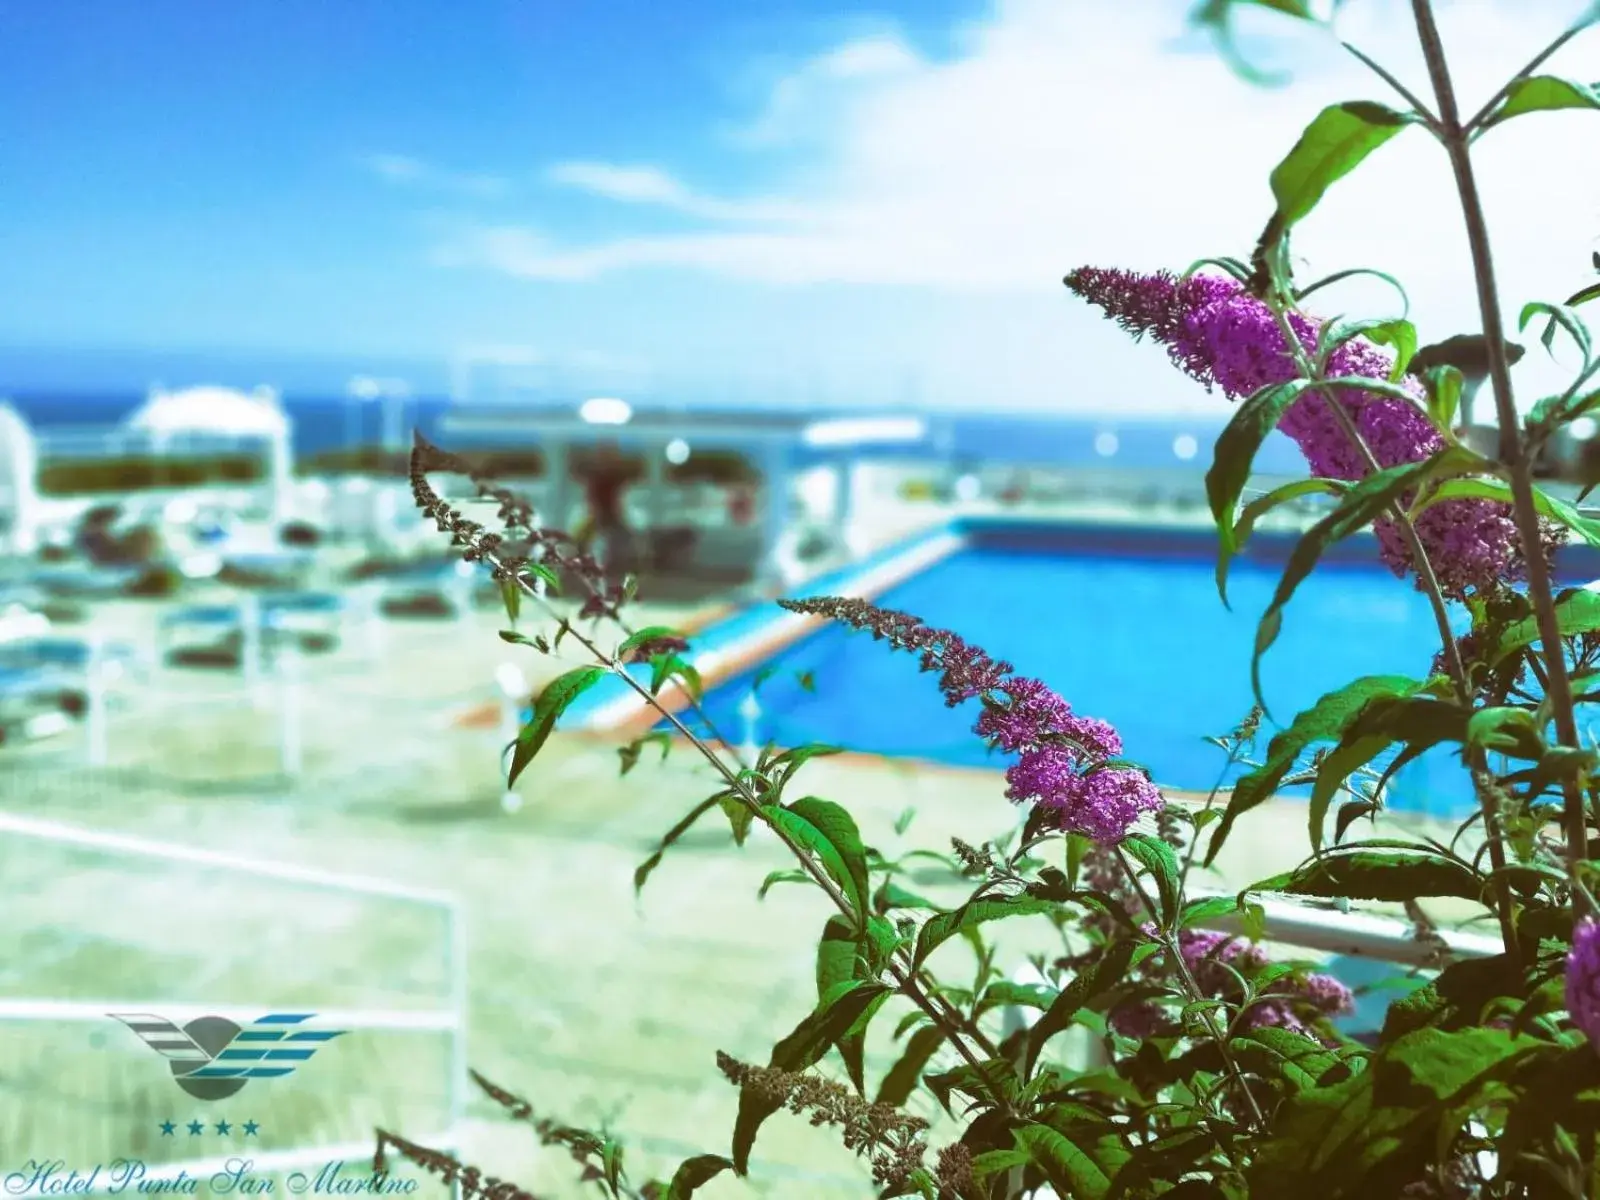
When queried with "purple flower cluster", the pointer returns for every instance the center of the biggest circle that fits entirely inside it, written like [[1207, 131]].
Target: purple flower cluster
[[1583, 979], [1212, 958], [1218, 333], [1062, 757]]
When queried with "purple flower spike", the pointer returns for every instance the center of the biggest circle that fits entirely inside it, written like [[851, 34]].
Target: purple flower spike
[[1583, 979], [1063, 755], [1219, 334]]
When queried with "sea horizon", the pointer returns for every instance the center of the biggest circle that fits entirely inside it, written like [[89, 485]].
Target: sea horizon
[[1026, 437]]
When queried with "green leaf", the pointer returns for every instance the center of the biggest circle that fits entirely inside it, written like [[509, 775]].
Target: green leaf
[[1584, 295], [906, 1073], [891, 895], [1561, 317], [554, 700], [827, 830], [1419, 722], [1258, 508], [1383, 331], [1324, 721], [650, 633], [1542, 93], [1553, 411], [648, 866], [782, 876], [785, 764], [1332, 146], [992, 1162], [1351, 273], [940, 929], [1108, 971], [1077, 847], [1575, 613], [842, 956], [737, 810], [1006, 993], [1372, 1133], [1505, 730], [1444, 385], [1158, 858], [1402, 335], [511, 597], [1362, 504], [630, 753], [833, 1017], [1456, 998], [840, 959], [1070, 1169], [1235, 453], [1368, 875], [1493, 489], [693, 1172], [1208, 908], [1298, 1059], [664, 667]]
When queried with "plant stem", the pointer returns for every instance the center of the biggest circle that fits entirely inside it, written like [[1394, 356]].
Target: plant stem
[[958, 1030], [1455, 138], [1474, 124], [1457, 670], [1211, 799], [1388, 77], [1169, 943], [907, 982]]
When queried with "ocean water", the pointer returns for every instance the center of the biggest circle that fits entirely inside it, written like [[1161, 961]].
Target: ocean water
[[324, 423]]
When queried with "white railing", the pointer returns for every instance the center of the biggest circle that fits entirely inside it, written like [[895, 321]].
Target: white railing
[[1336, 928], [251, 623], [451, 1019], [1333, 929]]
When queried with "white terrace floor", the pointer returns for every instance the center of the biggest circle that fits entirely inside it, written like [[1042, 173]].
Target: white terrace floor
[[594, 1009]]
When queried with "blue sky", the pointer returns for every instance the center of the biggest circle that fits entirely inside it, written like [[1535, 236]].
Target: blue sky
[[807, 200]]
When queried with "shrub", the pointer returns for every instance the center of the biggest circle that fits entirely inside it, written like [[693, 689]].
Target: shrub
[[79, 477], [1226, 1076]]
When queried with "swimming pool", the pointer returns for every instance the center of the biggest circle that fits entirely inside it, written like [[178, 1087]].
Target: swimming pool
[[1126, 624]]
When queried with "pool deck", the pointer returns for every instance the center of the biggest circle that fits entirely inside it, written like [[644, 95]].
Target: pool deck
[[593, 1007]]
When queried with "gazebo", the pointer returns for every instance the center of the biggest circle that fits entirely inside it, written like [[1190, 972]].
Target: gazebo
[[776, 440], [218, 412]]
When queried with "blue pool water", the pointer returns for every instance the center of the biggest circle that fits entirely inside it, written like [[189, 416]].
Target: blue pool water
[[1138, 638]]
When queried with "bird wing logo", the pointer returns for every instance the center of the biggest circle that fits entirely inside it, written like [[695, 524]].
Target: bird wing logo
[[213, 1057]]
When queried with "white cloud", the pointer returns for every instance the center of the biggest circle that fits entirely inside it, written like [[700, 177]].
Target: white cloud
[[651, 185], [804, 102], [646, 185], [403, 170], [1067, 131]]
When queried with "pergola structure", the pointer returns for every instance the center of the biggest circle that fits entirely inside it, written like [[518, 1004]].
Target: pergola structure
[[776, 441]]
